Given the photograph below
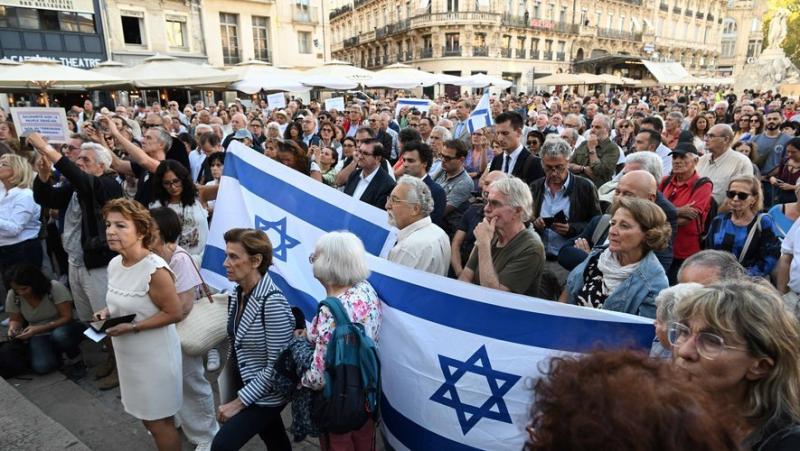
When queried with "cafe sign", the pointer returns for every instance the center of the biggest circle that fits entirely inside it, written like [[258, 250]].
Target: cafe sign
[[77, 6]]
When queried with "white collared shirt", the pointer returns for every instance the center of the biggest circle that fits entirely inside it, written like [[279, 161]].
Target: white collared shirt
[[363, 183], [663, 152], [514, 156], [20, 218], [422, 245]]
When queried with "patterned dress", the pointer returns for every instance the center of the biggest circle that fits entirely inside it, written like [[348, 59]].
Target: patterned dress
[[363, 305]]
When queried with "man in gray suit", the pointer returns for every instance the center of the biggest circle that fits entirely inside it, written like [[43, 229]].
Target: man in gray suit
[[461, 131]]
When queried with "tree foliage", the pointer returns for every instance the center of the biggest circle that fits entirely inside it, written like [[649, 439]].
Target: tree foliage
[[792, 44]]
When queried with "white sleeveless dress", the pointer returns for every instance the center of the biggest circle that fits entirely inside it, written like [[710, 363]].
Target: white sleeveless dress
[[148, 362]]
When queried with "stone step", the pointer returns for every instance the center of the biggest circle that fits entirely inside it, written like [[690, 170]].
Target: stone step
[[26, 427]]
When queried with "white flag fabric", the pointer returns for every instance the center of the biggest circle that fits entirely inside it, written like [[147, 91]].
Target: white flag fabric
[[423, 105], [458, 360], [481, 116]]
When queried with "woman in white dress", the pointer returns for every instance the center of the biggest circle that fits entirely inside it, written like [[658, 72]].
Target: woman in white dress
[[173, 188], [148, 349]]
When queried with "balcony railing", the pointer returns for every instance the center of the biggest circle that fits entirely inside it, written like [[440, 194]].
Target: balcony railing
[[548, 56], [663, 7], [359, 3], [392, 29], [480, 51], [451, 51], [351, 42], [455, 16], [511, 20], [305, 15], [616, 34], [520, 54], [426, 53], [710, 17], [632, 2], [561, 56], [688, 13], [339, 11], [535, 54], [505, 53], [676, 10], [699, 15]]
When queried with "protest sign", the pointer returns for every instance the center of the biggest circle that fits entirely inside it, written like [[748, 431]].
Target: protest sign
[[51, 123], [276, 101], [336, 103]]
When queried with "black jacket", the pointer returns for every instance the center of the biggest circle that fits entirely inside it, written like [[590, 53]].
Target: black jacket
[[93, 193], [526, 170], [583, 202], [378, 190]]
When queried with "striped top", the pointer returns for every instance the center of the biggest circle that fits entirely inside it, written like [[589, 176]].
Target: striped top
[[265, 328]]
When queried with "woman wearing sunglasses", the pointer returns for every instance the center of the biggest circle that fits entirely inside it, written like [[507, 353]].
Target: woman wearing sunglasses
[[738, 341], [743, 231], [173, 188]]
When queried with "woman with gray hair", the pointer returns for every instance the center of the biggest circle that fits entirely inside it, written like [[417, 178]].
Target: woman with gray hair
[[340, 264], [666, 304], [738, 341]]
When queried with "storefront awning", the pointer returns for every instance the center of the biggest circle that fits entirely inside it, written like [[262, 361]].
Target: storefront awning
[[666, 73]]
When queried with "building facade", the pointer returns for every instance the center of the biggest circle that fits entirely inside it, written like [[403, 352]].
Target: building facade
[[742, 35], [139, 29], [68, 31], [521, 40], [284, 32]]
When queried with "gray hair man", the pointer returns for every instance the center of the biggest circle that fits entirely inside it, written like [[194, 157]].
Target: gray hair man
[[507, 255], [421, 244], [712, 266], [564, 204], [597, 157], [721, 163]]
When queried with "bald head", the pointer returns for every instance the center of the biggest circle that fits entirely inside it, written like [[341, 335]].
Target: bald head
[[494, 176], [639, 184]]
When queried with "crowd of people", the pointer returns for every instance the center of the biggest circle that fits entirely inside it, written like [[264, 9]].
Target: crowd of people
[[676, 205]]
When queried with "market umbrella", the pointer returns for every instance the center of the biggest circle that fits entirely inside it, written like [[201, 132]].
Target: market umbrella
[[162, 71], [6, 63], [401, 76], [320, 81], [255, 68], [610, 79], [567, 80], [483, 81], [45, 74], [268, 83], [342, 69]]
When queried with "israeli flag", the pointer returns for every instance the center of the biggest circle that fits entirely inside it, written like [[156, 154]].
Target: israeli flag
[[423, 105], [481, 116], [458, 360]]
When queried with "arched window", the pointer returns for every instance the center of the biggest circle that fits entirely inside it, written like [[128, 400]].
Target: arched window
[[728, 26]]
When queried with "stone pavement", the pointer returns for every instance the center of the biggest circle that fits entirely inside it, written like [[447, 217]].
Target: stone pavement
[[59, 414]]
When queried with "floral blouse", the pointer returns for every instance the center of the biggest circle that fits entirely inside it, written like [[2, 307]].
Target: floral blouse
[[362, 303]]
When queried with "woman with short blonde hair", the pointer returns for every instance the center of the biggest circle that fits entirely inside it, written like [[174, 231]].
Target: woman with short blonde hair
[[19, 216]]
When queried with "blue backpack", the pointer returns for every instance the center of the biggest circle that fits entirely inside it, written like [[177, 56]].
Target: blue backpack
[[352, 376]]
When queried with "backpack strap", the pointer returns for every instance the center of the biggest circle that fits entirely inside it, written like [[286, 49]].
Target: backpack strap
[[700, 182], [602, 226], [750, 236], [337, 310], [665, 182]]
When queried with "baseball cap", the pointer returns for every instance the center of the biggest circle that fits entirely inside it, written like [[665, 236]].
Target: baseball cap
[[684, 148], [686, 137], [243, 133]]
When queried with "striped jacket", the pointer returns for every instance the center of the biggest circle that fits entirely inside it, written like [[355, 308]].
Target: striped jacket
[[265, 328]]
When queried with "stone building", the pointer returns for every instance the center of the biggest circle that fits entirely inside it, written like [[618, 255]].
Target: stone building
[[742, 35], [521, 40]]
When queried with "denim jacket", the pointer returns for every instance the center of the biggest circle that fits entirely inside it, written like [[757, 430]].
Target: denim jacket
[[636, 295]]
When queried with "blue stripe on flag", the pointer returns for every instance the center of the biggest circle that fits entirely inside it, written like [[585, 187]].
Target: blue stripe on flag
[[296, 202], [214, 257], [516, 326], [412, 435]]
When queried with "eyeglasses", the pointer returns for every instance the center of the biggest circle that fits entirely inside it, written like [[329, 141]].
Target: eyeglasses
[[712, 136], [327, 130], [448, 158], [171, 183], [348, 145], [366, 154], [4, 164], [744, 120], [312, 258], [708, 345], [413, 125], [559, 168], [736, 194], [395, 200]]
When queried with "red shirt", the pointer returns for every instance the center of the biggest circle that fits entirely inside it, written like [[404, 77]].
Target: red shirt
[[687, 241], [672, 140]]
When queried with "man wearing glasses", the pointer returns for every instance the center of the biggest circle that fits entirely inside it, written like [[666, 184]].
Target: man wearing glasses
[[355, 116], [456, 182], [368, 182], [721, 163]]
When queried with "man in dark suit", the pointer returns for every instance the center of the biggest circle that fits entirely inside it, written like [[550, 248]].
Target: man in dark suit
[[417, 159], [516, 159], [368, 183]]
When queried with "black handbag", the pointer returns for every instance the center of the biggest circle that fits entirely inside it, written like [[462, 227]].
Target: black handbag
[[13, 358]]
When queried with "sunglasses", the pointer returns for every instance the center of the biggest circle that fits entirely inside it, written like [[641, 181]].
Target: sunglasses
[[736, 194]]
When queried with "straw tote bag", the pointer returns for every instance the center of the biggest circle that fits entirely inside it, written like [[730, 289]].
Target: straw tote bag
[[204, 327]]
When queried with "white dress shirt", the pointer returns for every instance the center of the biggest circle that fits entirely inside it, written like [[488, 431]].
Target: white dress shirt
[[422, 245], [663, 152], [363, 183], [196, 160], [19, 220], [514, 155]]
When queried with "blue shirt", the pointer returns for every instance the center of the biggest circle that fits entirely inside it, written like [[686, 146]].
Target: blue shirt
[[760, 257], [551, 205]]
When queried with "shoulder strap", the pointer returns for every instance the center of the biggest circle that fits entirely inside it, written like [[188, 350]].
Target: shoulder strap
[[666, 182], [750, 236], [337, 310], [602, 226], [203, 286], [700, 182]]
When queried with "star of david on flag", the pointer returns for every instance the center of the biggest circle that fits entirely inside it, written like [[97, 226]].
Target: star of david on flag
[[481, 116], [494, 408], [284, 242]]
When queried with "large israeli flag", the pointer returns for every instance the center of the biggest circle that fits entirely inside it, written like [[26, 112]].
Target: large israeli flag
[[458, 360]]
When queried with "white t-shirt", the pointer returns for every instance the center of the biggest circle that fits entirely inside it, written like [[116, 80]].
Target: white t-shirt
[[791, 245], [194, 226]]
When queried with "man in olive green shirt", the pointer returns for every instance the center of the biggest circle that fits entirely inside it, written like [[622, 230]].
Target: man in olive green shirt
[[507, 256], [597, 157]]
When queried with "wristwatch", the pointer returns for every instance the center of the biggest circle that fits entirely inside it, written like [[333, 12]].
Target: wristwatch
[[592, 152], [583, 169], [134, 327]]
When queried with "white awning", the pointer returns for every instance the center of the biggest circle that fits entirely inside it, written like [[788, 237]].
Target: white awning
[[666, 73]]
